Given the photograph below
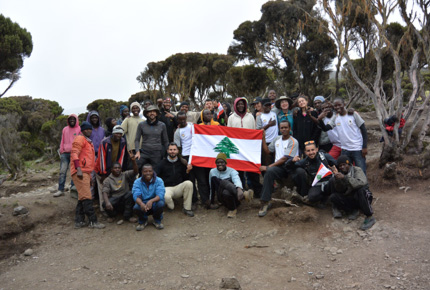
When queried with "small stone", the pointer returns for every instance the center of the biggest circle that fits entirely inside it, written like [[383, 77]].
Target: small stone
[[185, 276], [229, 283], [293, 279], [339, 251], [280, 252], [319, 276], [20, 210], [28, 252], [120, 222]]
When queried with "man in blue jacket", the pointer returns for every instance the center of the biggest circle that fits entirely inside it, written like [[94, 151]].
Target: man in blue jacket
[[148, 193]]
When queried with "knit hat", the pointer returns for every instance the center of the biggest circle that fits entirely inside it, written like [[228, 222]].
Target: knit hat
[[319, 98], [118, 129], [184, 104], [343, 159], [85, 126], [122, 108], [135, 104], [221, 156]]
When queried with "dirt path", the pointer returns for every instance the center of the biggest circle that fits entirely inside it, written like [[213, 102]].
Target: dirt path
[[304, 248]]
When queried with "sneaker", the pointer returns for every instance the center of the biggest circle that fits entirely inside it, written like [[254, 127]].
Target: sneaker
[[353, 215], [189, 213], [80, 225], [249, 195], [96, 225], [368, 223], [58, 193], [232, 213], [336, 212], [158, 226], [140, 227], [264, 208]]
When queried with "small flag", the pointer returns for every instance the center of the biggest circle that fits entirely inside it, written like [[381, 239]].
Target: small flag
[[220, 110], [322, 172]]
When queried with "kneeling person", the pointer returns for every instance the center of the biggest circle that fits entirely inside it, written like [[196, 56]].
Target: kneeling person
[[225, 183], [148, 193], [350, 192], [117, 195], [173, 172]]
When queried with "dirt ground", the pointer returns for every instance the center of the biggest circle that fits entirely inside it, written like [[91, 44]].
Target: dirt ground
[[290, 248]]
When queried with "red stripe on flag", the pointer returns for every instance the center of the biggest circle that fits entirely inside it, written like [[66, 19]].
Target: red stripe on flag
[[239, 165], [220, 110], [238, 133]]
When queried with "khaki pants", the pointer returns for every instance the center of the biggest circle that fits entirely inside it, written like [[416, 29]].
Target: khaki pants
[[100, 190], [83, 186], [184, 189]]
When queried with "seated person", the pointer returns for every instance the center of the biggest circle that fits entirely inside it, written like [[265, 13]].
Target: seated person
[[148, 193], [350, 192], [225, 183], [173, 171], [117, 195], [285, 148], [306, 170]]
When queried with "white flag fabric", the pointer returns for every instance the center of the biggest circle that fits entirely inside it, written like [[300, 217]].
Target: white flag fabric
[[322, 172]]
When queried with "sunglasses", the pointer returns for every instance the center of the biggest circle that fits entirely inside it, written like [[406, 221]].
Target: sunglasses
[[309, 142]]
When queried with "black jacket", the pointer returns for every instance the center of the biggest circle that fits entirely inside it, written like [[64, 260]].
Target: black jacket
[[304, 129], [172, 173]]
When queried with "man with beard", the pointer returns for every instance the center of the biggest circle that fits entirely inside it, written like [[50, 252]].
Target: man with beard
[[154, 138], [173, 172], [168, 118]]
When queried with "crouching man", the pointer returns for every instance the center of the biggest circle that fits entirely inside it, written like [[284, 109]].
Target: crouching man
[[350, 192], [117, 195], [225, 183], [148, 193]]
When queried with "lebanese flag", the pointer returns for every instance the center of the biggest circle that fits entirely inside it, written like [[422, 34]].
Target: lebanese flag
[[220, 110], [322, 172], [242, 147]]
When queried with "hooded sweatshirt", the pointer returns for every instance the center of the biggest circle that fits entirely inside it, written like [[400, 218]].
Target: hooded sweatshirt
[[68, 135], [98, 134], [241, 120], [213, 122]]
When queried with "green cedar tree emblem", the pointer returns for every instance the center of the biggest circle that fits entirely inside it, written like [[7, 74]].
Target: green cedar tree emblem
[[319, 176], [227, 147]]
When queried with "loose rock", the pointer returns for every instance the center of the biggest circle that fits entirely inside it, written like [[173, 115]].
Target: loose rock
[[229, 283], [20, 210], [28, 252]]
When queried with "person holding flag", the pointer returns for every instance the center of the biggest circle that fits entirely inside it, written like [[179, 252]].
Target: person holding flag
[[312, 173]]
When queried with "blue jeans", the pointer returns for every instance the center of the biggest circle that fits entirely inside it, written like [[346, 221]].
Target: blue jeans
[[357, 158], [156, 211], [64, 166]]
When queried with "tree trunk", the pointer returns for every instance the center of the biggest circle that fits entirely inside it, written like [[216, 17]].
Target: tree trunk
[[390, 153]]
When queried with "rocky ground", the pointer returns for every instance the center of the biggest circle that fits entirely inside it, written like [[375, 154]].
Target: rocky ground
[[291, 248]]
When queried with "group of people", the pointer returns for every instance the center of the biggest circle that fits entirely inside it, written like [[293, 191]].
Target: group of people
[[298, 142]]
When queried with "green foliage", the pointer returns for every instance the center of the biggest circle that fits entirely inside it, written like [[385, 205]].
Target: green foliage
[[9, 105], [106, 108], [248, 81]]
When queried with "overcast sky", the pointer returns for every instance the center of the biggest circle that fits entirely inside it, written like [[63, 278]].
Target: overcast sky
[[93, 49]]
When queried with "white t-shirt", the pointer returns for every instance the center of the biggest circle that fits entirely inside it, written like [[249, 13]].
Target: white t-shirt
[[283, 148], [348, 129], [184, 137], [332, 134], [271, 132]]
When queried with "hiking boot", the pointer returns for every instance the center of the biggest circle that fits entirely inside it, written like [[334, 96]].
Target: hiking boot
[[249, 195], [264, 208], [336, 212], [96, 225], [189, 213], [79, 225], [232, 213], [140, 227], [158, 226], [58, 193], [368, 223], [354, 215]]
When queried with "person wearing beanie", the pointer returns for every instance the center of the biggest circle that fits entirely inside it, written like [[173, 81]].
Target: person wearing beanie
[[112, 150], [124, 113], [98, 133], [318, 101], [224, 182], [69, 134], [82, 163], [130, 125], [110, 123], [350, 192]]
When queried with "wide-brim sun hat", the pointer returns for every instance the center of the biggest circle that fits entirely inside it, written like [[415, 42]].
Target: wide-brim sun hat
[[151, 108], [278, 102]]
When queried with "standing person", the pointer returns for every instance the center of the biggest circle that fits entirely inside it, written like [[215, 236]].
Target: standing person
[[117, 196], [272, 97], [224, 182], [304, 128], [227, 112], [174, 174], [267, 121], [148, 193], [146, 104], [324, 142], [191, 116], [112, 150], [242, 119], [350, 192], [154, 138], [124, 113], [285, 148], [352, 133], [332, 134], [110, 123], [98, 133], [168, 118], [208, 106], [130, 126], [318, 101], [82, 164], [285, 114], [68, 135], [258, 107]]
